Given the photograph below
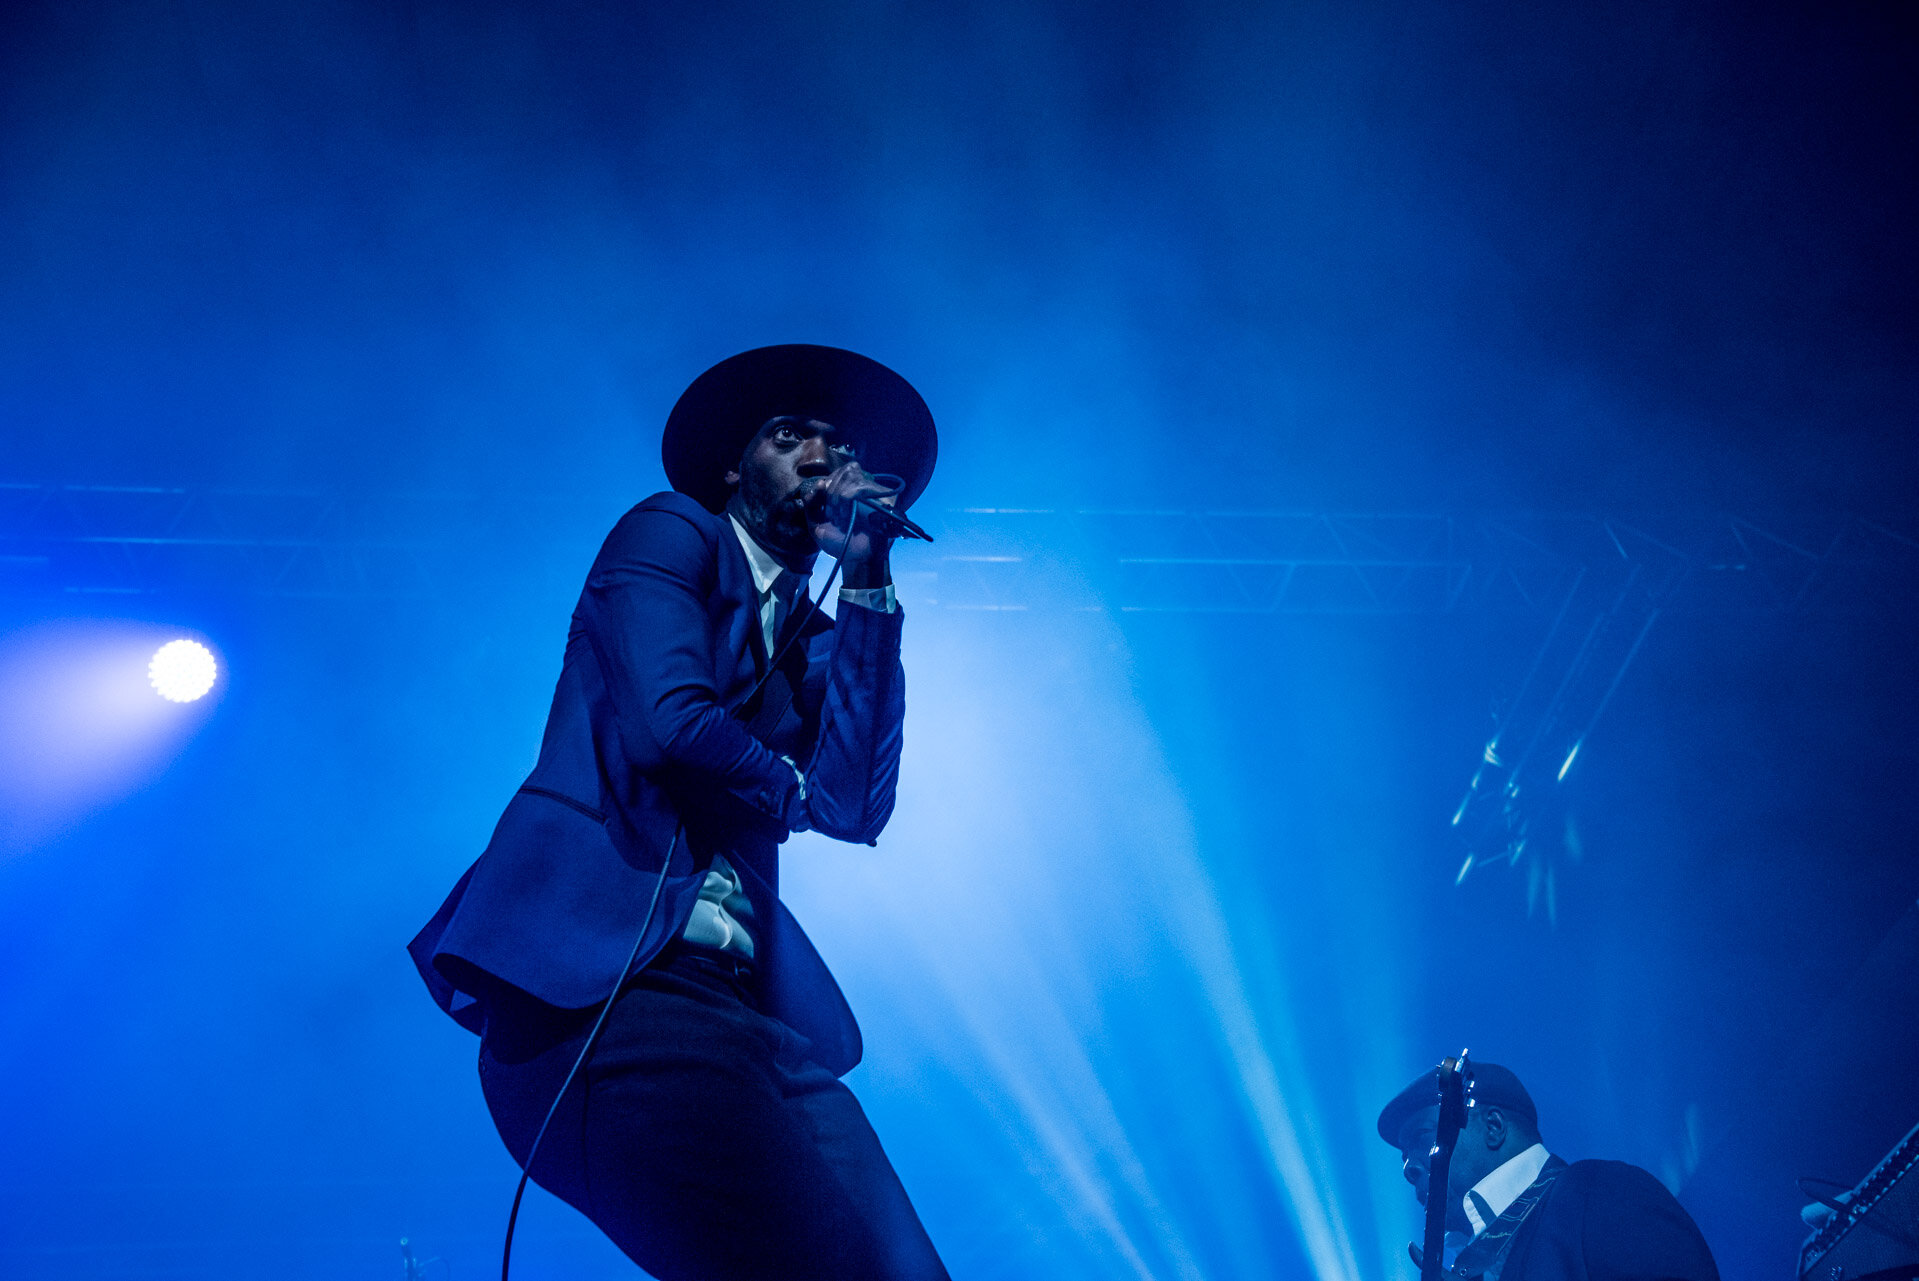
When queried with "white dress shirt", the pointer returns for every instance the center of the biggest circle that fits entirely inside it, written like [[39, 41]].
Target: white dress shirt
[[1489, 1197]]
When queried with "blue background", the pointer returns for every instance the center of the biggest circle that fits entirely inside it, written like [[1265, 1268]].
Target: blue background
[[1167, 910]]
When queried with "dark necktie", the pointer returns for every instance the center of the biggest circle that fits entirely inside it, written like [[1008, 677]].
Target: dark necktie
[[769, 707], [787, 588]]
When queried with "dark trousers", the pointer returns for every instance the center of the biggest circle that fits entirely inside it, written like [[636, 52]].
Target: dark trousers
[[700, 1137]]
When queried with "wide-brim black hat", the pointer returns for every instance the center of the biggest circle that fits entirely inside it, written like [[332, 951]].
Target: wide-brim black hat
[[716, 417], [1493, 1087]]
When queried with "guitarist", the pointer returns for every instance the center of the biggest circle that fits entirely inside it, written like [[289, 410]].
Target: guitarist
[[1526, 1214]]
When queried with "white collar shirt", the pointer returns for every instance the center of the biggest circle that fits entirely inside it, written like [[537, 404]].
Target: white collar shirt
[[1489, 1197], [766, 571]]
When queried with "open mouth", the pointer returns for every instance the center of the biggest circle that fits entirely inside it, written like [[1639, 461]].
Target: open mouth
[[808, 501]]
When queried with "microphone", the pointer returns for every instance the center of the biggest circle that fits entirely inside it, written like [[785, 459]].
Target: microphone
[[889, 520]]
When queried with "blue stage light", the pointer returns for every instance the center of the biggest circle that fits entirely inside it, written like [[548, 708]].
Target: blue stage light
[[182, 670]]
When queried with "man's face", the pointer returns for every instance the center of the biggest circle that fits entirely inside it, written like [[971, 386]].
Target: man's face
[[1415, 1150], [783, 461]]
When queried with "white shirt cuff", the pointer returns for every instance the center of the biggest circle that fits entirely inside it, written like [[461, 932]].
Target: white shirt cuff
[[796, 774], [879, 598]]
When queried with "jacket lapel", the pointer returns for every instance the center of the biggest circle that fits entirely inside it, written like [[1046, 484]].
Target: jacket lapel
[[742, 636]]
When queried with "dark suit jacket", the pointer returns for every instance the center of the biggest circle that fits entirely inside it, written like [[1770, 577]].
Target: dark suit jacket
[[1608, 1221], [646, 732]]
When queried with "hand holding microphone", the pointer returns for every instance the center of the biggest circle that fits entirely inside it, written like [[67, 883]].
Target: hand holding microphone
[[850, 514]]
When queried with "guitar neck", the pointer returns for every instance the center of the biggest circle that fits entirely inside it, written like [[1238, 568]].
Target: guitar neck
[[1454, 1080], [1432, 1264]]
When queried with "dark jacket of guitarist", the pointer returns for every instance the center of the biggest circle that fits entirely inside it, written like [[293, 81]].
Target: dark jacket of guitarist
[[1531, 1216]]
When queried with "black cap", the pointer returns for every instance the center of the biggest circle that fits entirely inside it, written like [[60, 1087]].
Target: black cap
[[716, 417], [1493, 1086]]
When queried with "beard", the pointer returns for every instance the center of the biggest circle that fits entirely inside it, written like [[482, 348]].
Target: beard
[[780, 521]]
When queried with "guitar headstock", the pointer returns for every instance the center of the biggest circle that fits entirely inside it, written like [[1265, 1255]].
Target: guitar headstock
[[1455, 1077]]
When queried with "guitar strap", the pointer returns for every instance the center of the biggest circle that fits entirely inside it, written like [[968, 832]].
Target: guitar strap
[[1484, 1257]]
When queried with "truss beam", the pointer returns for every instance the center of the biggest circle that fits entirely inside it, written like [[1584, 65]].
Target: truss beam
[[288, 543]]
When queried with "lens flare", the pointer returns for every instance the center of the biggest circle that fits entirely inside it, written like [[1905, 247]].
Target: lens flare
[[182, 670]]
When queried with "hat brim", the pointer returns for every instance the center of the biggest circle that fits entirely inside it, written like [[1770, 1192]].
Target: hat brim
[[716, 418], [1409, 1102]]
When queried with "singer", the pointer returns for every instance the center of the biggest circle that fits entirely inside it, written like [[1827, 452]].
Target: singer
[[705, 710]]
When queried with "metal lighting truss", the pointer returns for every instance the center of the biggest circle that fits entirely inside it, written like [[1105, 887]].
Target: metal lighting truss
[[1606, 602], [1602, 580], [1264, 562], [141, 540], [289, 543]]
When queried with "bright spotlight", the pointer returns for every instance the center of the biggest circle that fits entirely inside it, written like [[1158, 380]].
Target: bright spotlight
[[182, 670]]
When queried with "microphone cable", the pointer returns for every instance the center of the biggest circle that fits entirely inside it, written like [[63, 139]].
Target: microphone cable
[[646, 922]]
